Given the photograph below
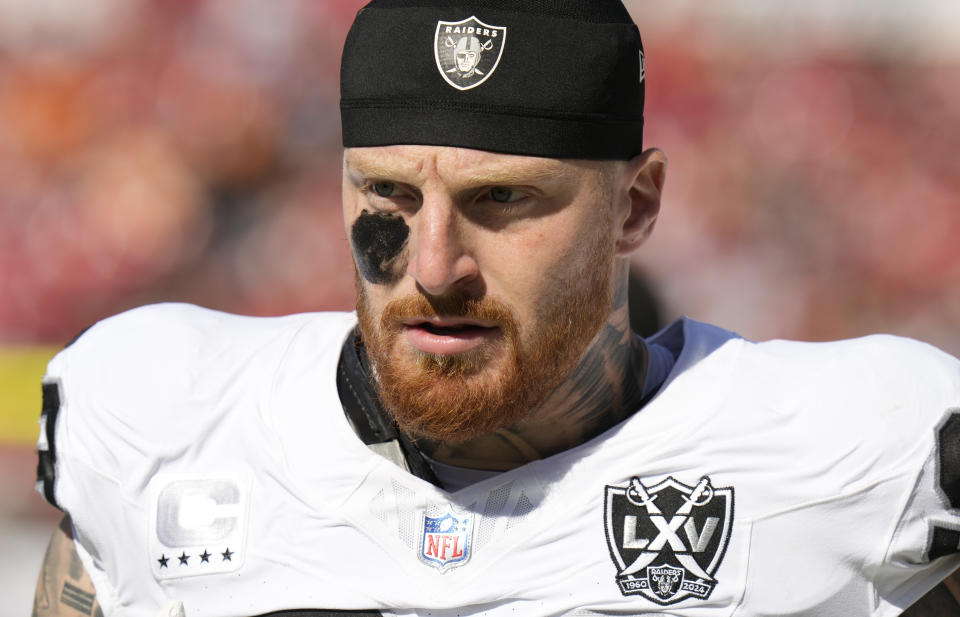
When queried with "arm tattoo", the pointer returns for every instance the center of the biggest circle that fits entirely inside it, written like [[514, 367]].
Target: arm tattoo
[[77, 598], [64, 588]]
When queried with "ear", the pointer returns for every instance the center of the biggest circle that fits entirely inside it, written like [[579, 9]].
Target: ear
[[644, 179]]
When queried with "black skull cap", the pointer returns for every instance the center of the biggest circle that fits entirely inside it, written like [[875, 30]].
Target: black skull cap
[[550, 78]]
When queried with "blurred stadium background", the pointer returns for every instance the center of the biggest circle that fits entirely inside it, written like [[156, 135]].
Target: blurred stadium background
[[188, 150]]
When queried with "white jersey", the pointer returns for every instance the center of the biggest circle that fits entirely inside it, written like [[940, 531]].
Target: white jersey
[[205, 458]]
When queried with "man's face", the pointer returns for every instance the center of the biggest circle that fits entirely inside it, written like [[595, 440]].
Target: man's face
[[466, 60], [467, 53], [481, 279]]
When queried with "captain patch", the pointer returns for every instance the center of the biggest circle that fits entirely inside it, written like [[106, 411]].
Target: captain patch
[[198, 524]]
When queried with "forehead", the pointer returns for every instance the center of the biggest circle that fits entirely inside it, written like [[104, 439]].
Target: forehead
[[418, 164]]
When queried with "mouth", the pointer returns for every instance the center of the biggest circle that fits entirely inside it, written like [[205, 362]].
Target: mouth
[[444, 336]]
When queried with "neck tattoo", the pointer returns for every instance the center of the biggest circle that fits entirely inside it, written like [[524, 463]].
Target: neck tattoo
[[605, 387]]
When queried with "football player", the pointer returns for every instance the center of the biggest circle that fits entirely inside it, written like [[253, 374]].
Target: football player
[[485, 435]]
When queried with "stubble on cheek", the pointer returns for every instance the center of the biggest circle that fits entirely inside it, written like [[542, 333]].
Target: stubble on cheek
[[378, 241]]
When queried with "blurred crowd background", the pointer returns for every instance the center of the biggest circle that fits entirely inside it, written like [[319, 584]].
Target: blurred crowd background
[[189, 150]]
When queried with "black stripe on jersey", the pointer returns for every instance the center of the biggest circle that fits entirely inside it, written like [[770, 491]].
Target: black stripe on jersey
[[77, 336], [46, 463], [47, 459], [946, 540], [943, 541], [361, 404], [948, 450]]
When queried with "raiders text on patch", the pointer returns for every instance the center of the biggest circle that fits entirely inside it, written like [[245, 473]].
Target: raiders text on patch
[[668, 539], [468, 51]]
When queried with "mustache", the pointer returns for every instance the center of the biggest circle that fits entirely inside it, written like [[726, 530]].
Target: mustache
[[420, 306]]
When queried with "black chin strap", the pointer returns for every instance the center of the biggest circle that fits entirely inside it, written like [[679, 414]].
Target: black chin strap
[[374, 427], [361, 404]]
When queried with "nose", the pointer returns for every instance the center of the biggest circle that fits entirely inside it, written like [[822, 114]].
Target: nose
[[439, 260]]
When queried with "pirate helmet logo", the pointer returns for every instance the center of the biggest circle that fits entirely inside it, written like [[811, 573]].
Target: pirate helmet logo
[[668, 539], [468, 51]]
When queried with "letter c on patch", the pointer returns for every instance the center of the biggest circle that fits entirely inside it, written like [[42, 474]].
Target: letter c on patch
[[197, 511]]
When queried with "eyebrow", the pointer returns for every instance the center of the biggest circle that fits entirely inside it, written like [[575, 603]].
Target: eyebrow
[[372, 169], [514, 175]]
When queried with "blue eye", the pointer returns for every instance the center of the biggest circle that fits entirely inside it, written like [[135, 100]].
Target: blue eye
[[384, 189], [504, 194]]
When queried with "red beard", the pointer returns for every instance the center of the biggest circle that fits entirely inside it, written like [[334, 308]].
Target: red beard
[[455, 398]]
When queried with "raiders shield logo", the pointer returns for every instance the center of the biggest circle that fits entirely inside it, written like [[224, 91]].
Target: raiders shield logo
[[468, 51], [667, 540]]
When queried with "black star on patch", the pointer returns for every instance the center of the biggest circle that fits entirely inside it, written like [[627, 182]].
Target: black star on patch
[[183, 558], [227, 554], [205, 556], [163, 561]]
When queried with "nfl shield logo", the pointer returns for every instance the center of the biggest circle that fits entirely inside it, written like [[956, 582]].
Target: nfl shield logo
[[668, 539], [468, 52], [446, 540]]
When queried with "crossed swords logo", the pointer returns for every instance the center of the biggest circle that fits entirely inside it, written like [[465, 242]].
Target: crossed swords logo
[[667, 539], [667, 530]]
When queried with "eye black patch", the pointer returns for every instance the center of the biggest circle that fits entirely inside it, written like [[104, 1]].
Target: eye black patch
[[376, 240]]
